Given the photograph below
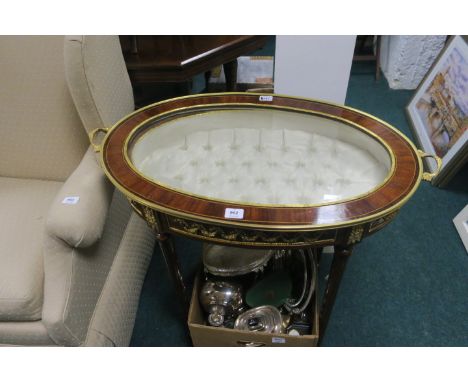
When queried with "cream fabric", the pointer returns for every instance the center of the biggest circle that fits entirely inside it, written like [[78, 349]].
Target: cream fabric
[[31, 333], [116, 310], [84, 271], [263, 157], [81, 224], [23, 205], [40, 132], [74, 277], [98, 79], [98, 339]]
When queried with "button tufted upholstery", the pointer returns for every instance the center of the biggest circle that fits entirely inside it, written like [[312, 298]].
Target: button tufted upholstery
[[262, 157], [70, 274]]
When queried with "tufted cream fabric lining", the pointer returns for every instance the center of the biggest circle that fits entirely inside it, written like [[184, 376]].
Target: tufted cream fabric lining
[[262, 157], [40, 132], [23, 204]]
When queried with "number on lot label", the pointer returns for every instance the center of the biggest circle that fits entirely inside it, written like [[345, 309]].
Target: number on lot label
[[234, 213]]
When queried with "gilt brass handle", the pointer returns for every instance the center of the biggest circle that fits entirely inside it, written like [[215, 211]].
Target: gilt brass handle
[[428, 175], [92, 135]]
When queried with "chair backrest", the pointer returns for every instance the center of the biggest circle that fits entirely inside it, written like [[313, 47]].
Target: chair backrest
[[41, 135], [98, 79]]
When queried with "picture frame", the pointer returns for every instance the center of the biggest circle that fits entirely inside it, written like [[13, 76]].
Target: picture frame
[[438, 110], [461, 224]]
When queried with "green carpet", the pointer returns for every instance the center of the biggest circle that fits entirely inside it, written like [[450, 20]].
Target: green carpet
[[407, 285]]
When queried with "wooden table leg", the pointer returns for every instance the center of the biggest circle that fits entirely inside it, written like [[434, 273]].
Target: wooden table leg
[[230, 72], [172, 262], [340, 258]]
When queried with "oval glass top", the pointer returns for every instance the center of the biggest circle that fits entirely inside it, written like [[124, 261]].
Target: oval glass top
[[262, 157]]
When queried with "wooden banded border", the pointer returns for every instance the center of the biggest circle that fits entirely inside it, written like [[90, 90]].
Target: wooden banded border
[[398, 188]]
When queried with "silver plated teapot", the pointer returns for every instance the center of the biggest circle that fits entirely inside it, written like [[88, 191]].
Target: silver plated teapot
[[221, 300]]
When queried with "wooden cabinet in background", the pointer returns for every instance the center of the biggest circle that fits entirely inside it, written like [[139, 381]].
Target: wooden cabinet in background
[[156, 61]]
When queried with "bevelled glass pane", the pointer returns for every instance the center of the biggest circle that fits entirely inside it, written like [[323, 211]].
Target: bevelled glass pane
[[262, 156]]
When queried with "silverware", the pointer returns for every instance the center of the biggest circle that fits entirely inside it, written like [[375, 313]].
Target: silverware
[[221, 300], [264, 318], [229, 261], [299, 304]]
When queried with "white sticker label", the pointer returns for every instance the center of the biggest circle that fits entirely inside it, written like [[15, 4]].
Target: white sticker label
[[265, 98], [278, 340], [71, 200], [234, 213]]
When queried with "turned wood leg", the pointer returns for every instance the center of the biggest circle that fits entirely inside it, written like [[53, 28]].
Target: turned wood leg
[[172, 262], [230, 72], [340, 258]]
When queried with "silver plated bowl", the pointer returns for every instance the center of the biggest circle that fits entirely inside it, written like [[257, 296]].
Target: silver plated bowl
[[229, 261]]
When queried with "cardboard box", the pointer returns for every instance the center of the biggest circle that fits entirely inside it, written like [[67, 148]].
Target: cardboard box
[[204, 335]]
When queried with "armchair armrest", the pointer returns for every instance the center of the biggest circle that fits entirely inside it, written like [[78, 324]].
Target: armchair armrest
[[79, 211]]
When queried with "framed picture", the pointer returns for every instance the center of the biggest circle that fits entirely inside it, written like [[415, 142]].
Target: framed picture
[[461, 224], [438, 110]]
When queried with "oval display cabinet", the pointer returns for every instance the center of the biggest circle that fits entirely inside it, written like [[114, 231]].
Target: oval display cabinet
[[261, 170]]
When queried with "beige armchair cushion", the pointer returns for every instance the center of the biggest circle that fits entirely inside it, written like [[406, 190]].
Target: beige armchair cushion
[[23, 204], [80, 222], [24, 333]]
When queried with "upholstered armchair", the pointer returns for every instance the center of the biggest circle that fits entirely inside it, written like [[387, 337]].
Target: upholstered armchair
[[73, 256]]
